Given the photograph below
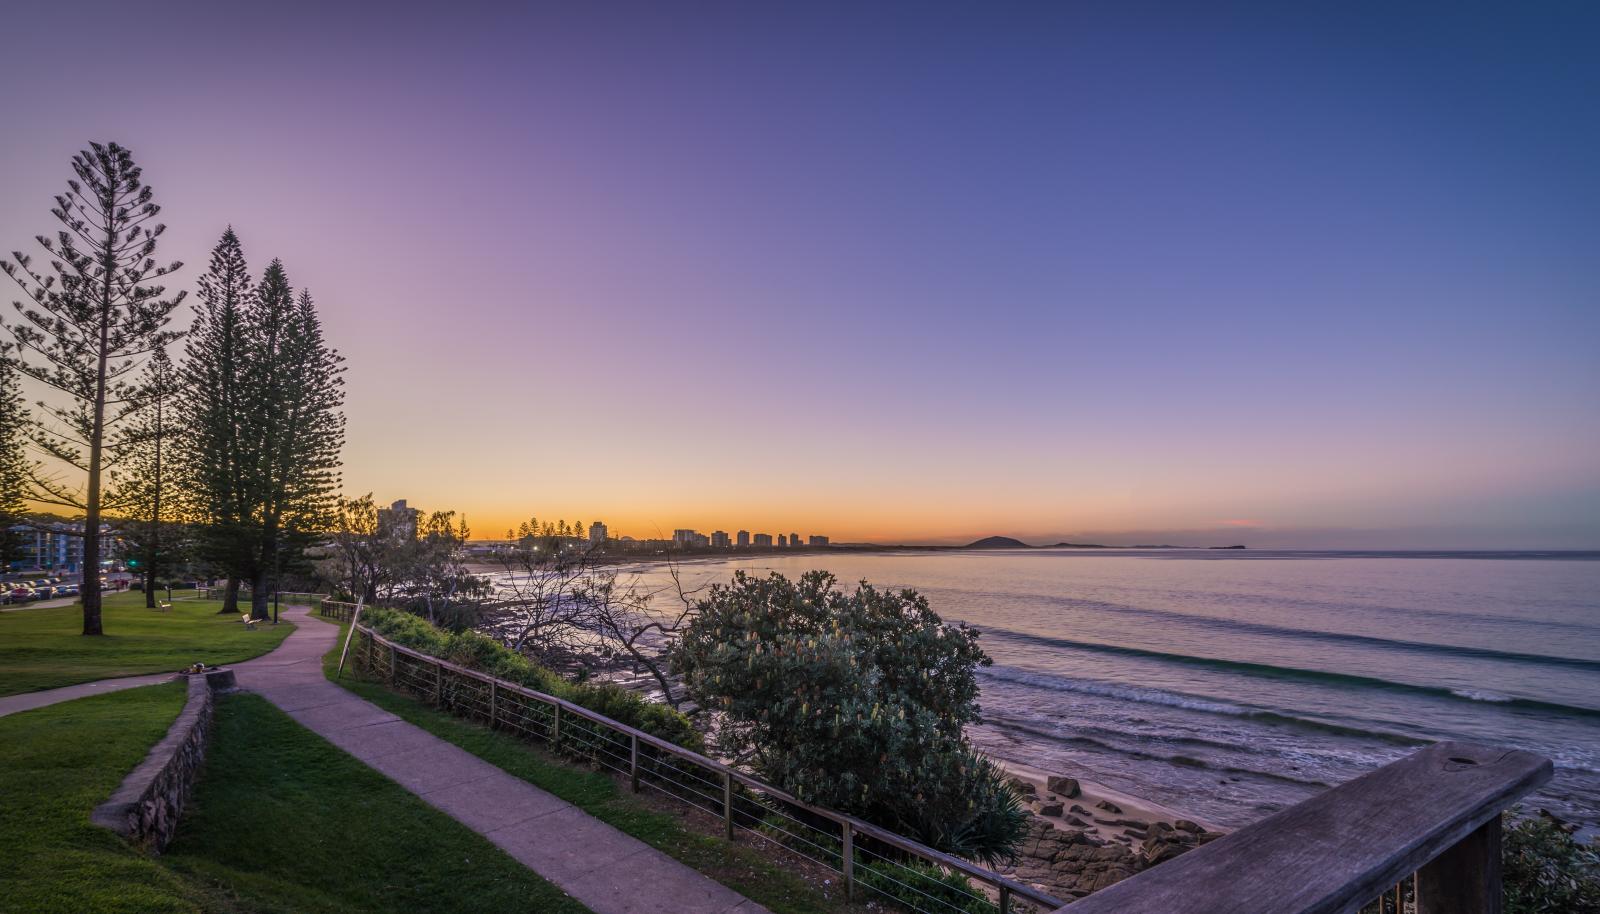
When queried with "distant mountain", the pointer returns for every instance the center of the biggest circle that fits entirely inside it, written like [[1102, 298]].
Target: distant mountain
[[1077, 546], [997, 542]]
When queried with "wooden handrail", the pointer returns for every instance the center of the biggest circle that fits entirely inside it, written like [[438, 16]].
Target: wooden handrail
[[1435, 813], [971, 870]]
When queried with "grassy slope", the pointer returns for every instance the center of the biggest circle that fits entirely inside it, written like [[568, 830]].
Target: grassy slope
[[42, 648], [56, 765], [741, 868], [282, 822], [285, 822]]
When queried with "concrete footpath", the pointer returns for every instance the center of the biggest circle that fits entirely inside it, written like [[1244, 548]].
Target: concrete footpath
[[27, 701], [606, 870]]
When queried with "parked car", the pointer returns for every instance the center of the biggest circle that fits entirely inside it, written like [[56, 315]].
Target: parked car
[[21, 593], [66, 590]]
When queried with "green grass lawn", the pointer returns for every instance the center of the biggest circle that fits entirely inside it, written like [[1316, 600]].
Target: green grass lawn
[[282, 821], [42, 648], [739, 867], [56, 765]]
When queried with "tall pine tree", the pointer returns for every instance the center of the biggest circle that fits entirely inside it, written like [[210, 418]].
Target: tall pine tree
[[295, 388], [213, 406], [13, 461], [86, 322], [146, 480]]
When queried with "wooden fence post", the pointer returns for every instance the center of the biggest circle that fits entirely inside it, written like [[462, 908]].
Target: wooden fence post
[[555, 732], [438, 685], [727, 804], [633, 763], [1466, 878], [848, 861], [391, 663], [494, 701], [1005, 899]]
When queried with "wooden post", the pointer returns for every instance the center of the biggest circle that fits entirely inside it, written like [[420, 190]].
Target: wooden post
[[727, 805], [348, 635], [391, 663], [555, 733], [848, 863], [1005, 899], [1466, 878], [633, 764], [438, 685], [494, 702]]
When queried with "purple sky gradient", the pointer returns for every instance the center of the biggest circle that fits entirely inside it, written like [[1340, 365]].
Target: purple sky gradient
[[905, 272]]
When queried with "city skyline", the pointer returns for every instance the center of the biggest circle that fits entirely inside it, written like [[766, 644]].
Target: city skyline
[[912, 274]]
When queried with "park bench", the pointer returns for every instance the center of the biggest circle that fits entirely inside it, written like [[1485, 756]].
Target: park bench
[[248, 622], [163, 607]]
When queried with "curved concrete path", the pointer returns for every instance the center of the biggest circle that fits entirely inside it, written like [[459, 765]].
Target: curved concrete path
[[610, 872], [27, 701]]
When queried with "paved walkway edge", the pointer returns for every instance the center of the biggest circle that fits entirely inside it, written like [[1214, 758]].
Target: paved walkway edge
[[27, 701], [605, 869]]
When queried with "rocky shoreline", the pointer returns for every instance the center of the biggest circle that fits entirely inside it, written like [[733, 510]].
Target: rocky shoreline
[[1084, 836]]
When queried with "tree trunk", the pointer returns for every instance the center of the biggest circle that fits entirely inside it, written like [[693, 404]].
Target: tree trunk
[[259, 593], [90, 588], [230, 597], [153, 541], [259, 597]]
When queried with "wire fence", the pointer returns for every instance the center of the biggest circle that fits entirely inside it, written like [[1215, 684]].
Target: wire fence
[[874, 863]]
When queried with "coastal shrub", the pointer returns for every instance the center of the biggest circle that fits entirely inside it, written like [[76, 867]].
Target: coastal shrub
[[477, 651], [855, 701], [1547, 870]]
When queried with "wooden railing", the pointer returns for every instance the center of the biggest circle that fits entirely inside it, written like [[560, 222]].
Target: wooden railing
[[297, 598], [1433, 816], [337, 610], [874, 863]]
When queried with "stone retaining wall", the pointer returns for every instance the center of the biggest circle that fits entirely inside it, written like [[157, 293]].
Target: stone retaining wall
[[146, 808]]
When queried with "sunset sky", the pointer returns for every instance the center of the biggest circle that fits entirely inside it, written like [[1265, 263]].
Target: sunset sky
[[898, 272]]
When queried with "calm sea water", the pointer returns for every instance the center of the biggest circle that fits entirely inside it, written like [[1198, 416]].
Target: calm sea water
[[1232, 684]]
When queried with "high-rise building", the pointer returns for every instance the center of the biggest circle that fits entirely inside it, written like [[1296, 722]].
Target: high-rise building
[[819, 541], [794, 540], [597, 532], [720, 540], [700, 541], [763, 539], [398, 521], [783, 541], [744, 538], [56, 547], [683, 537]]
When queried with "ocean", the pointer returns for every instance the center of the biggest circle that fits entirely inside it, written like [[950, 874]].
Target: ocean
[[1229, 684]]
